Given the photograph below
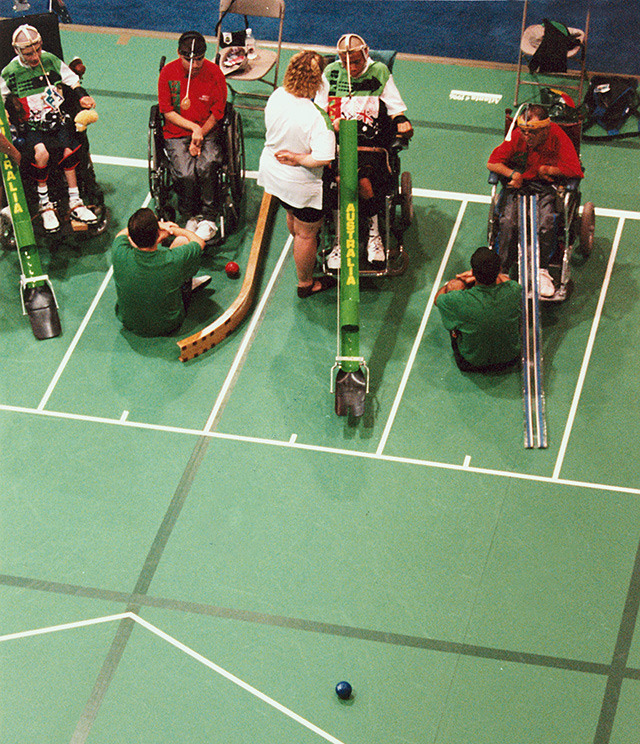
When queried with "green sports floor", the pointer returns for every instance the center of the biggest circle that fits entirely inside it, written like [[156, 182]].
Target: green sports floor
[[199, 552]]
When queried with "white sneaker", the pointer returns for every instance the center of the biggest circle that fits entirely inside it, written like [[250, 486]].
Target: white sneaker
[[49, 219], [200, 282], [6, 213], [333, 259], [81, 213], [192, 224], [206, 230], [545, 283], [375, 249]]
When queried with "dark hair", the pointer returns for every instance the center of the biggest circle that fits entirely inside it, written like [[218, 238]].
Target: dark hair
[[485, 265], [143, 228], [535, 110], [191, 43]]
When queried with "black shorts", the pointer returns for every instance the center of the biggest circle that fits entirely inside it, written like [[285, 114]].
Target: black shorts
[[304, 214], [57, 139]]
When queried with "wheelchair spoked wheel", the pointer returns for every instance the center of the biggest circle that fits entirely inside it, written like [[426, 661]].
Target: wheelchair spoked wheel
[[587, 228], [235, 156], [159, 179]]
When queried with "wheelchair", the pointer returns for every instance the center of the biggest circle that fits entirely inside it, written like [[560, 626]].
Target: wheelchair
[[90, 191], [395, 216], [574, 228], [230, 173]]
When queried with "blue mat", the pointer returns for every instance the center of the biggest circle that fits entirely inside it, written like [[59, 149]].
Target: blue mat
[[486, 30]]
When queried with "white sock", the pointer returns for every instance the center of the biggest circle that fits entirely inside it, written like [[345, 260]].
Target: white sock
[[373, 225], [43, 193], [74, 194]]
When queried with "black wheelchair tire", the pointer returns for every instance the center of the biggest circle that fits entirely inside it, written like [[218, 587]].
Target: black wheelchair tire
[[235, 156], [406, 204], [587, 228]]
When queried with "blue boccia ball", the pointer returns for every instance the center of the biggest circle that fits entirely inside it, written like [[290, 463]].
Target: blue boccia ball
[[343, 690]]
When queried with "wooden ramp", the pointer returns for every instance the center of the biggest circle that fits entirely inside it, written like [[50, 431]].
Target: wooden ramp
[[223, 326]]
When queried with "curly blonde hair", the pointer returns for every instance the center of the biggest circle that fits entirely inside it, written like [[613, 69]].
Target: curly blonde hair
[[304, 74]]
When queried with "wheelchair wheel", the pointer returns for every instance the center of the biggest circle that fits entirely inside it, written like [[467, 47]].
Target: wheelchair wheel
[[406, 203], [587, 228], [235, 155], [159, 180], [7, 236]]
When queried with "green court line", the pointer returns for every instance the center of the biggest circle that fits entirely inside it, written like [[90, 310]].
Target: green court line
[[310, 626], [617, 672], [147, 573]]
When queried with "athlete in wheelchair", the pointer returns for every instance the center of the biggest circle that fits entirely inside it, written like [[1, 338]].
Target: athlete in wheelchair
[[196, 148], [539, 157], [356, 86], [48, 112]]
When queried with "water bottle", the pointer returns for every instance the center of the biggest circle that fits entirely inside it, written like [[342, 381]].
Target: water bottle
[[250, 44]]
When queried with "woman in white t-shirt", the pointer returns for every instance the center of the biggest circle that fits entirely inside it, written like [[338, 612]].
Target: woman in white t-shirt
[[299, 142]]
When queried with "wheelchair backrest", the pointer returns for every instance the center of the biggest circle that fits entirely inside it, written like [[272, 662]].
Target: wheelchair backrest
[[47, 25]]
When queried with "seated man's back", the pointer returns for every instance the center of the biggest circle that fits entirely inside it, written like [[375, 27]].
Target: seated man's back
[[150, 279], [481, 309]]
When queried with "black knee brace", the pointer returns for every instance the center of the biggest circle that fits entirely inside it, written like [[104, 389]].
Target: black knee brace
[[70, 161], [36, 172]]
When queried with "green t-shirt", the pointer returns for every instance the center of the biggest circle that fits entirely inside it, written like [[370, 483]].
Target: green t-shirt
[[149, 285], [487, 321]]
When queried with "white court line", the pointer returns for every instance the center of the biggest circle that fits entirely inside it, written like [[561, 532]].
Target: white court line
[[247, 338], [423, 193], [237, 681], [421, 330], [140, 163], [185, 649], [587, 354], [65, 626], [325, 450], [80, 331], [76, 339]]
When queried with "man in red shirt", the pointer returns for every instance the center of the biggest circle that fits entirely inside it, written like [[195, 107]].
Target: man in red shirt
[[192, 94], [538, 153]]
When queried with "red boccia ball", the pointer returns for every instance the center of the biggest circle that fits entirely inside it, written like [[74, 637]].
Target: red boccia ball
[[232, 269]]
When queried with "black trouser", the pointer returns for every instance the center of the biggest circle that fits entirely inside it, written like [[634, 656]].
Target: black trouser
[[465, 366]]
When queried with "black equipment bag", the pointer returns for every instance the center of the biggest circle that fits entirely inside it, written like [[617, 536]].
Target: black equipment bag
[[609, 102]]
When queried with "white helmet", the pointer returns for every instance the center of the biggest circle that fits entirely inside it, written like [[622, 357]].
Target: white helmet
[[25, 37], [352, 43]]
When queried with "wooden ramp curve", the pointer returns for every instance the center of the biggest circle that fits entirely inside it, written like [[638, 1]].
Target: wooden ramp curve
[[223, 326]]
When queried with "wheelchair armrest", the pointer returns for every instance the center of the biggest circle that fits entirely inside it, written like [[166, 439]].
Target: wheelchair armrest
[[493, 178], [155, 118]]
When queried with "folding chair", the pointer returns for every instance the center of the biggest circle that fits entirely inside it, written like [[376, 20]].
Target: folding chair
[[264, 68], [531, 38]]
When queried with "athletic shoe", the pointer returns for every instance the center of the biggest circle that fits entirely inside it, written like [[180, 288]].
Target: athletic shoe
[[333, 259], [81, 213], [192, 224], [206, 230], [375, 249], [200, 282], [547, 287], [49, 219]]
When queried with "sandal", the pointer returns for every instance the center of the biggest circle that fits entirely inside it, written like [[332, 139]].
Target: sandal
[[325, 282]]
